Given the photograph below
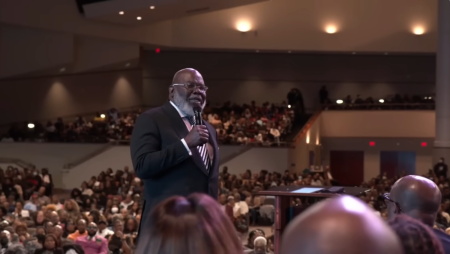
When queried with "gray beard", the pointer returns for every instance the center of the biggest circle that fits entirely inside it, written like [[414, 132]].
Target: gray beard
[[183, 105]]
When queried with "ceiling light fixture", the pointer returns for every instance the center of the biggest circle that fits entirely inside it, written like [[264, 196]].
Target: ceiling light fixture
[[152, 7], [138, 18], [121, 13]]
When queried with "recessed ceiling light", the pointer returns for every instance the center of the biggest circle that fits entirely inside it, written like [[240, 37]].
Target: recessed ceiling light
[[138, 18], [62, 69], [152, 7], [121, 13]]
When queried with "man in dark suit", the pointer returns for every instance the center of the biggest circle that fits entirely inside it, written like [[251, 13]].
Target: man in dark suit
[[419, 198], [170, 152]]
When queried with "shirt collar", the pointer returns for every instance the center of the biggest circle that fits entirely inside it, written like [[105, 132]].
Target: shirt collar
[[178, 110]]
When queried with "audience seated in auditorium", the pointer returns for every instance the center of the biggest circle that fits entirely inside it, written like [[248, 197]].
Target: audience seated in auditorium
[[111, 201], [236, 124], [390, 102], [339, 225]]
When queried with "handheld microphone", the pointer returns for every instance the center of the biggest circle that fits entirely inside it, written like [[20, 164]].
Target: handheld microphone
[[198, 117]]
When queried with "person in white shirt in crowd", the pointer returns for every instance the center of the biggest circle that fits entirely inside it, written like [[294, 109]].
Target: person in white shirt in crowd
[[128, 201], [103, 229], [240, 207], [20, 212], [85, 190]]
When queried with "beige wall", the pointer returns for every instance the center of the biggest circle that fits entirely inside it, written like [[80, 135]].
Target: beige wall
[[308, 140], [51, 97], [51, 156], [372, 154], [242, 77], [387, 124]]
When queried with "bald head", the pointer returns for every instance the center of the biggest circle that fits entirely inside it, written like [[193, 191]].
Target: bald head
[[187, 75], [188, 91], [417, 197], [339, 225]]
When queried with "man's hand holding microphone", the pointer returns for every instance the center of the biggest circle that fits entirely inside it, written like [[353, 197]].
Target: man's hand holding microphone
[[199, 134]]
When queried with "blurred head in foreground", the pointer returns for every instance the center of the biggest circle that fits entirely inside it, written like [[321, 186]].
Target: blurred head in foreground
[[189, 225], [339, 225]]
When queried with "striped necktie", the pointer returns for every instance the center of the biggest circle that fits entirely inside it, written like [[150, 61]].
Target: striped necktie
[[201, 149]]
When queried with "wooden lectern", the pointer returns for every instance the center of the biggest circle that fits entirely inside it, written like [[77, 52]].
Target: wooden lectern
[[283, 195]]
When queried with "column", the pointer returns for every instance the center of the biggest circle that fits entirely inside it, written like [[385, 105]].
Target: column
[[442, 137]]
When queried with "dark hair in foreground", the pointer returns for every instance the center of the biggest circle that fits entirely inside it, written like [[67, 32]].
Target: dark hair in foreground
[[416, 237], [190, 225]]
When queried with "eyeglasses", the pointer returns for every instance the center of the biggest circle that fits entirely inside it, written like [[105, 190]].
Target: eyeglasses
[[398, 210], [192, 86]]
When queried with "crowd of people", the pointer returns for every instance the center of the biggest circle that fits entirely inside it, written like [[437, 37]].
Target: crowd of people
[[390, 102], [103, 215], [267, 124]]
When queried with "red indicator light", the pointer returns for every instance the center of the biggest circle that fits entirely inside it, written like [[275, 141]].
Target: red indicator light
[[423, 144], [371, 143], [157, 50]]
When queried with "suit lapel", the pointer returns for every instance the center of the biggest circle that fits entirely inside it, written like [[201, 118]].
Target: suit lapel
[[176, 121], [179, 126]]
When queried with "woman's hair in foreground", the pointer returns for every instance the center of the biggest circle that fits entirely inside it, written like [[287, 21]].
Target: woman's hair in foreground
[[416, 237], [190, 225]]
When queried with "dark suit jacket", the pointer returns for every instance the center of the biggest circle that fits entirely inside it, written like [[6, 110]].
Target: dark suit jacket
[[162, 161], [444, 239]]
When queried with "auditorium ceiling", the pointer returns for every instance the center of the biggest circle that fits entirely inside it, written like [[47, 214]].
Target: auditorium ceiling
[[278, 25]]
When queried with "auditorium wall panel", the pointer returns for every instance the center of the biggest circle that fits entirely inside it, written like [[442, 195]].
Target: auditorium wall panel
[[258, 158], [51, 156], [55, 156], [241, 77], [376, 123], [372, 166], [51, 97]]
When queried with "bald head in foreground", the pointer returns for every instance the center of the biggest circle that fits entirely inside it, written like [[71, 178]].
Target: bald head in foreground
[[339, 225]]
